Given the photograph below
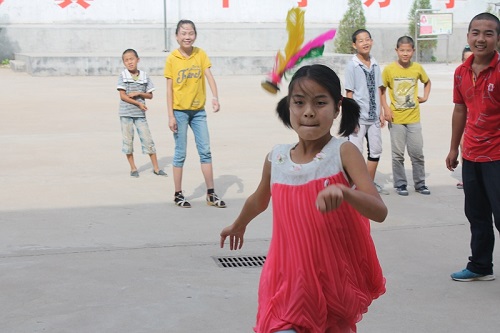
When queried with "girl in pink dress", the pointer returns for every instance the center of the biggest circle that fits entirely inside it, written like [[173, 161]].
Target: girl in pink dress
[[321, 272]]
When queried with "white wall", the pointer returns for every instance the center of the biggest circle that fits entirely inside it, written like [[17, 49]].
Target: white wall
[[109, 26], [213, 11]]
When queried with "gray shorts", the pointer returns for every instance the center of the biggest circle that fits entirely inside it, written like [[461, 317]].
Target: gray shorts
[[373, 135]]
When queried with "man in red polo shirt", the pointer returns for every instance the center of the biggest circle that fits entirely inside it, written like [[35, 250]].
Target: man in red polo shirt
[[476, 95]]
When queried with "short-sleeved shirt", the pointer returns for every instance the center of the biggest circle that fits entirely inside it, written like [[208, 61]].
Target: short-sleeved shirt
[[322, 270], [188, 79], [481, 96], [360, 80], [142, 83], [403, 85]]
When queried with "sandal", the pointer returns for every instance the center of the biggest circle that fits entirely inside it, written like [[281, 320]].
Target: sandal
[[460, 186], [214, 200], [181, 201]]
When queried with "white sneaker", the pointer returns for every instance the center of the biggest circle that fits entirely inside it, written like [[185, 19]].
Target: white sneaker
[[380, 189]]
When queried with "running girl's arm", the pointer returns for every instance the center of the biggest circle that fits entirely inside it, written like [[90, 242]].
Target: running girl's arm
[[254, 205], [213, 88], [364, 198], [126, 98]]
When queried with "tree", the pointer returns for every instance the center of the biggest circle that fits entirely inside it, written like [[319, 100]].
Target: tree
[[492, 8], [425, 48], [353, 19]]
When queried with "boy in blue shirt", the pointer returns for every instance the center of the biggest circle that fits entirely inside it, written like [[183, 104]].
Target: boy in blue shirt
[[362, 83]]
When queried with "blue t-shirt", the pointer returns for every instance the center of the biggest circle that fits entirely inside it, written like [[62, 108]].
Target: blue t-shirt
[[364, 82]]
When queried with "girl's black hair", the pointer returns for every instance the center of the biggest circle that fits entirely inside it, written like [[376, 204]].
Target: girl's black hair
[[327, 78], [182, 22], [132, 51]]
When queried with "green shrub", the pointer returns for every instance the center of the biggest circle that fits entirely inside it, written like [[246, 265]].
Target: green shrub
[[492, 8], [353, 19]]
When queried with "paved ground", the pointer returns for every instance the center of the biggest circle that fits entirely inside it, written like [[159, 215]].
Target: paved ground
[[85, 248]]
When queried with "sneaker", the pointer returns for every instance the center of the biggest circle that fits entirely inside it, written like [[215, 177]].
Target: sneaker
[[466, 276], [380, 189], [134, 174], [160, 173], [402, 190], [423, 190], [214, 200]]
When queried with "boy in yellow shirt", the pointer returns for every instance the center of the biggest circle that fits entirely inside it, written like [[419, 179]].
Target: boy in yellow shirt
[[401, 78]]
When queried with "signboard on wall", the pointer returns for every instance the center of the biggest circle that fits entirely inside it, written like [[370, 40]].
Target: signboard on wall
[[436, 24]]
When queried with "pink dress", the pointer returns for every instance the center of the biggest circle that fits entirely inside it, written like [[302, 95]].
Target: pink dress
[[321, 271]]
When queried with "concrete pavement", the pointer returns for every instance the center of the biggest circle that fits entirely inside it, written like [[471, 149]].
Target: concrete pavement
[[85, 248]]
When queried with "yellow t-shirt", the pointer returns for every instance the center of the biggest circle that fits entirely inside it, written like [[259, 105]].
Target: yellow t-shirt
[[403, 91], [188, 79]]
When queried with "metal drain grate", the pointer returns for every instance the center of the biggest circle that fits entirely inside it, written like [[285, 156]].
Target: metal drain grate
[[240, 261]]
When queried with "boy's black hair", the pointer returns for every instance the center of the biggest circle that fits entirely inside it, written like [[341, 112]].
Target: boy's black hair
[[182, 22], [357, 32], [327, 78], [405, 40], [488, 17], [131, 51]]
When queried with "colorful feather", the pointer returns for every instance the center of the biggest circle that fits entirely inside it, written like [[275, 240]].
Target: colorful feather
[[293, 53], [315, 44], [295, 28]]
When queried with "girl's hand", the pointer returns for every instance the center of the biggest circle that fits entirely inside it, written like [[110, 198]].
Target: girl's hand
[[215, 105], [235, 236], [172, 124], [143, 107], [330, 198], [422, 100]]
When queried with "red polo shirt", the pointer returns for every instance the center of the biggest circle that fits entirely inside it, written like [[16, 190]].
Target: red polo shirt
[[482, 98]]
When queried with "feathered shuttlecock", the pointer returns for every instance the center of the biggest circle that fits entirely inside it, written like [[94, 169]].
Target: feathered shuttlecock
[[294, 54], [295, 28]]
